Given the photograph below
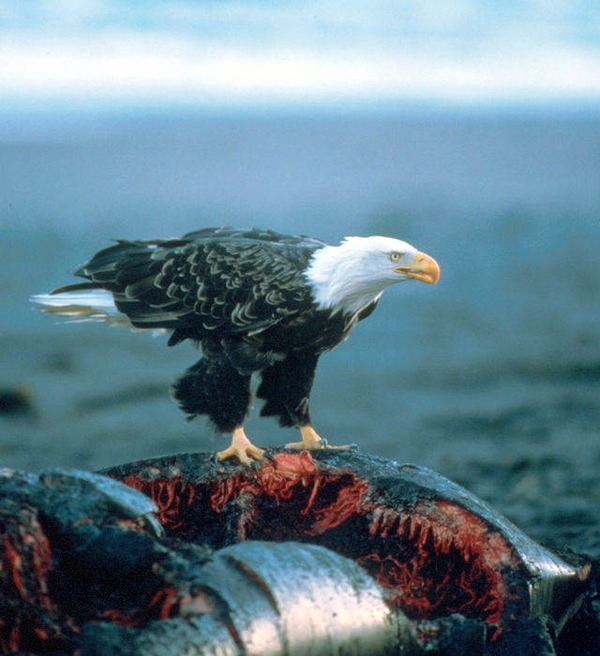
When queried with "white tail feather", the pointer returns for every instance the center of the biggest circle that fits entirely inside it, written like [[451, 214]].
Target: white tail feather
[[91, 305]]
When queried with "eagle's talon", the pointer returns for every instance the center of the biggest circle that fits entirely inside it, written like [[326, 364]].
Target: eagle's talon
[[322, 445], [311, 440], [246, 456], [242, 449], [301, 446], [342, 447]]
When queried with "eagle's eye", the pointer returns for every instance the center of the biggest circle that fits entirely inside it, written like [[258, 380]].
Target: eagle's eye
[[395, 256]]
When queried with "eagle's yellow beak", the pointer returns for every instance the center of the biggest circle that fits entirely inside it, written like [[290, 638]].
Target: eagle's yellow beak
[[423, 268]]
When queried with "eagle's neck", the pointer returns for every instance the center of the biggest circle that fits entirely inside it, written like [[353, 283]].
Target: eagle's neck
[[339, 282]]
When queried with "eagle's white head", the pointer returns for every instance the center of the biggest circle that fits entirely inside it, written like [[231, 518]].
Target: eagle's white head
[[348, 277]]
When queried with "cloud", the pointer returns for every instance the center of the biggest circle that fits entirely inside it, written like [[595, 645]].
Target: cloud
[[101, 51]]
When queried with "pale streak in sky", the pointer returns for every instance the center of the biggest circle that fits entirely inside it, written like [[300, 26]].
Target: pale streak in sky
[[185, 53]]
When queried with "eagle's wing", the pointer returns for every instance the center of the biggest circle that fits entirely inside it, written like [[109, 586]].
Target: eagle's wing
[[212, 281], [254, 234]]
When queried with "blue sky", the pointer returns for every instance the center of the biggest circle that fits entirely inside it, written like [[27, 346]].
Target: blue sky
[[80, 53]]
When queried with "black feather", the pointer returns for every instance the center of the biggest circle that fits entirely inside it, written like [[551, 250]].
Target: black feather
[[221, 279], [241, 294]]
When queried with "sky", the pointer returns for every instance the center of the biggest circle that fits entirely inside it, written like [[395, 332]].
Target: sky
[[178, 53]]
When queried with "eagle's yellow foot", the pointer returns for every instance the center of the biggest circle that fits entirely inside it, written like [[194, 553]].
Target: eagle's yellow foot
[[241, 448], [311, 440]]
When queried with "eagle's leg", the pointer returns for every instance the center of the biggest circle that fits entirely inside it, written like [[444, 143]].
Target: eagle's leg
[[286, 389], [241, 448], [214, 388], [310, 440]]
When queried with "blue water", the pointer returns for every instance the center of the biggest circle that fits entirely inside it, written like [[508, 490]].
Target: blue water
[[492, 376]]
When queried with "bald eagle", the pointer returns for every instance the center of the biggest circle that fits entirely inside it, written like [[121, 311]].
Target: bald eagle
[[255, 300]]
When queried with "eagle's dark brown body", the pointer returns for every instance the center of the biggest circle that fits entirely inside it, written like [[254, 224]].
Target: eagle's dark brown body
[[256, 301], [243, 296]]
